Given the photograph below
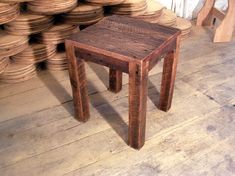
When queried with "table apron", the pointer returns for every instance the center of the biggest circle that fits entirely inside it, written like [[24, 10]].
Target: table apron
[[103, 60]]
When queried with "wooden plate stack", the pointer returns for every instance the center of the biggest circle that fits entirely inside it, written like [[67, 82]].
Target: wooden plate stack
[[168, 18], [27, 24], [51, 7], [185, 27], [3, 64], [58, 62], [11, 44], [84, 14], [57, 34], [130, 8], [105, 2], [153, 12], [8, 12], [35, 53], [18, 72]]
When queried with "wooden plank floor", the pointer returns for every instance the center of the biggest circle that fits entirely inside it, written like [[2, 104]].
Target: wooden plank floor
[[39, 137]]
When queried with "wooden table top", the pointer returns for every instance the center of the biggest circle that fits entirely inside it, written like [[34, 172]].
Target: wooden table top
[[124, 36]]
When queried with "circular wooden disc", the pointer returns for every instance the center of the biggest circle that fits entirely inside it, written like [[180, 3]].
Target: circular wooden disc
[[21, 79], [8, 12], [84, 14], [17, 68], [16, 75], [153, 7], [27, 24], [79, 21], [35, 53], [130, 8], [58, 62], [150, 18], [9, 41], [168, 18], [60, 28], [131, 2], [84, 8], [105, 2], [3, 64], [11, 45], [51, 7], [18, 72], [153, 12], [31, 18], [57, 34], [182, 24], [13, 51]]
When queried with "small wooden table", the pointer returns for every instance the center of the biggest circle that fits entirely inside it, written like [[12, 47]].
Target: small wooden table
[[124, 45]]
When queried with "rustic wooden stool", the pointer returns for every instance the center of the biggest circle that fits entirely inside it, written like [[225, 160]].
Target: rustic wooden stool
[[124, 45]]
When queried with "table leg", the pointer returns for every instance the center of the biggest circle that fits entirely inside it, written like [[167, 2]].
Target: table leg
[[138, 88], [79, 84], [115, 80], [168, 79]]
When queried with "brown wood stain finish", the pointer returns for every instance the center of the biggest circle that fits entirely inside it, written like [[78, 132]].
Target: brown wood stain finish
[[127, 45]]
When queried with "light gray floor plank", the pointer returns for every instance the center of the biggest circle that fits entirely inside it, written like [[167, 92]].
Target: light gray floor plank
[[174, 155]]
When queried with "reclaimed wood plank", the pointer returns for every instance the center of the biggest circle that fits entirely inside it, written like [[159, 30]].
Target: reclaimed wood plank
[[115, 80], [168, 78], [172, 151], [79, 84], [54, 136], [138, 91]]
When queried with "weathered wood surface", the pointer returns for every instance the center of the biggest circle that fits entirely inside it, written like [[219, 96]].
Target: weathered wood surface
[[138, 91], [168, 79], [115, 80], [131, 39], [196, 137], [77, 75]]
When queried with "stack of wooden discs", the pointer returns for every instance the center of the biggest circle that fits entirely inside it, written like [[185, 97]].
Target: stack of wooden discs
[[51, 7], [8, 12], [57, 34], [11, 44], [168, 18], [130, 8], [153, 12], [58, 62], [84, 14], [35, 53], [18, 72], [105, 2], [3, 63], [185, 27], [27, 24]]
